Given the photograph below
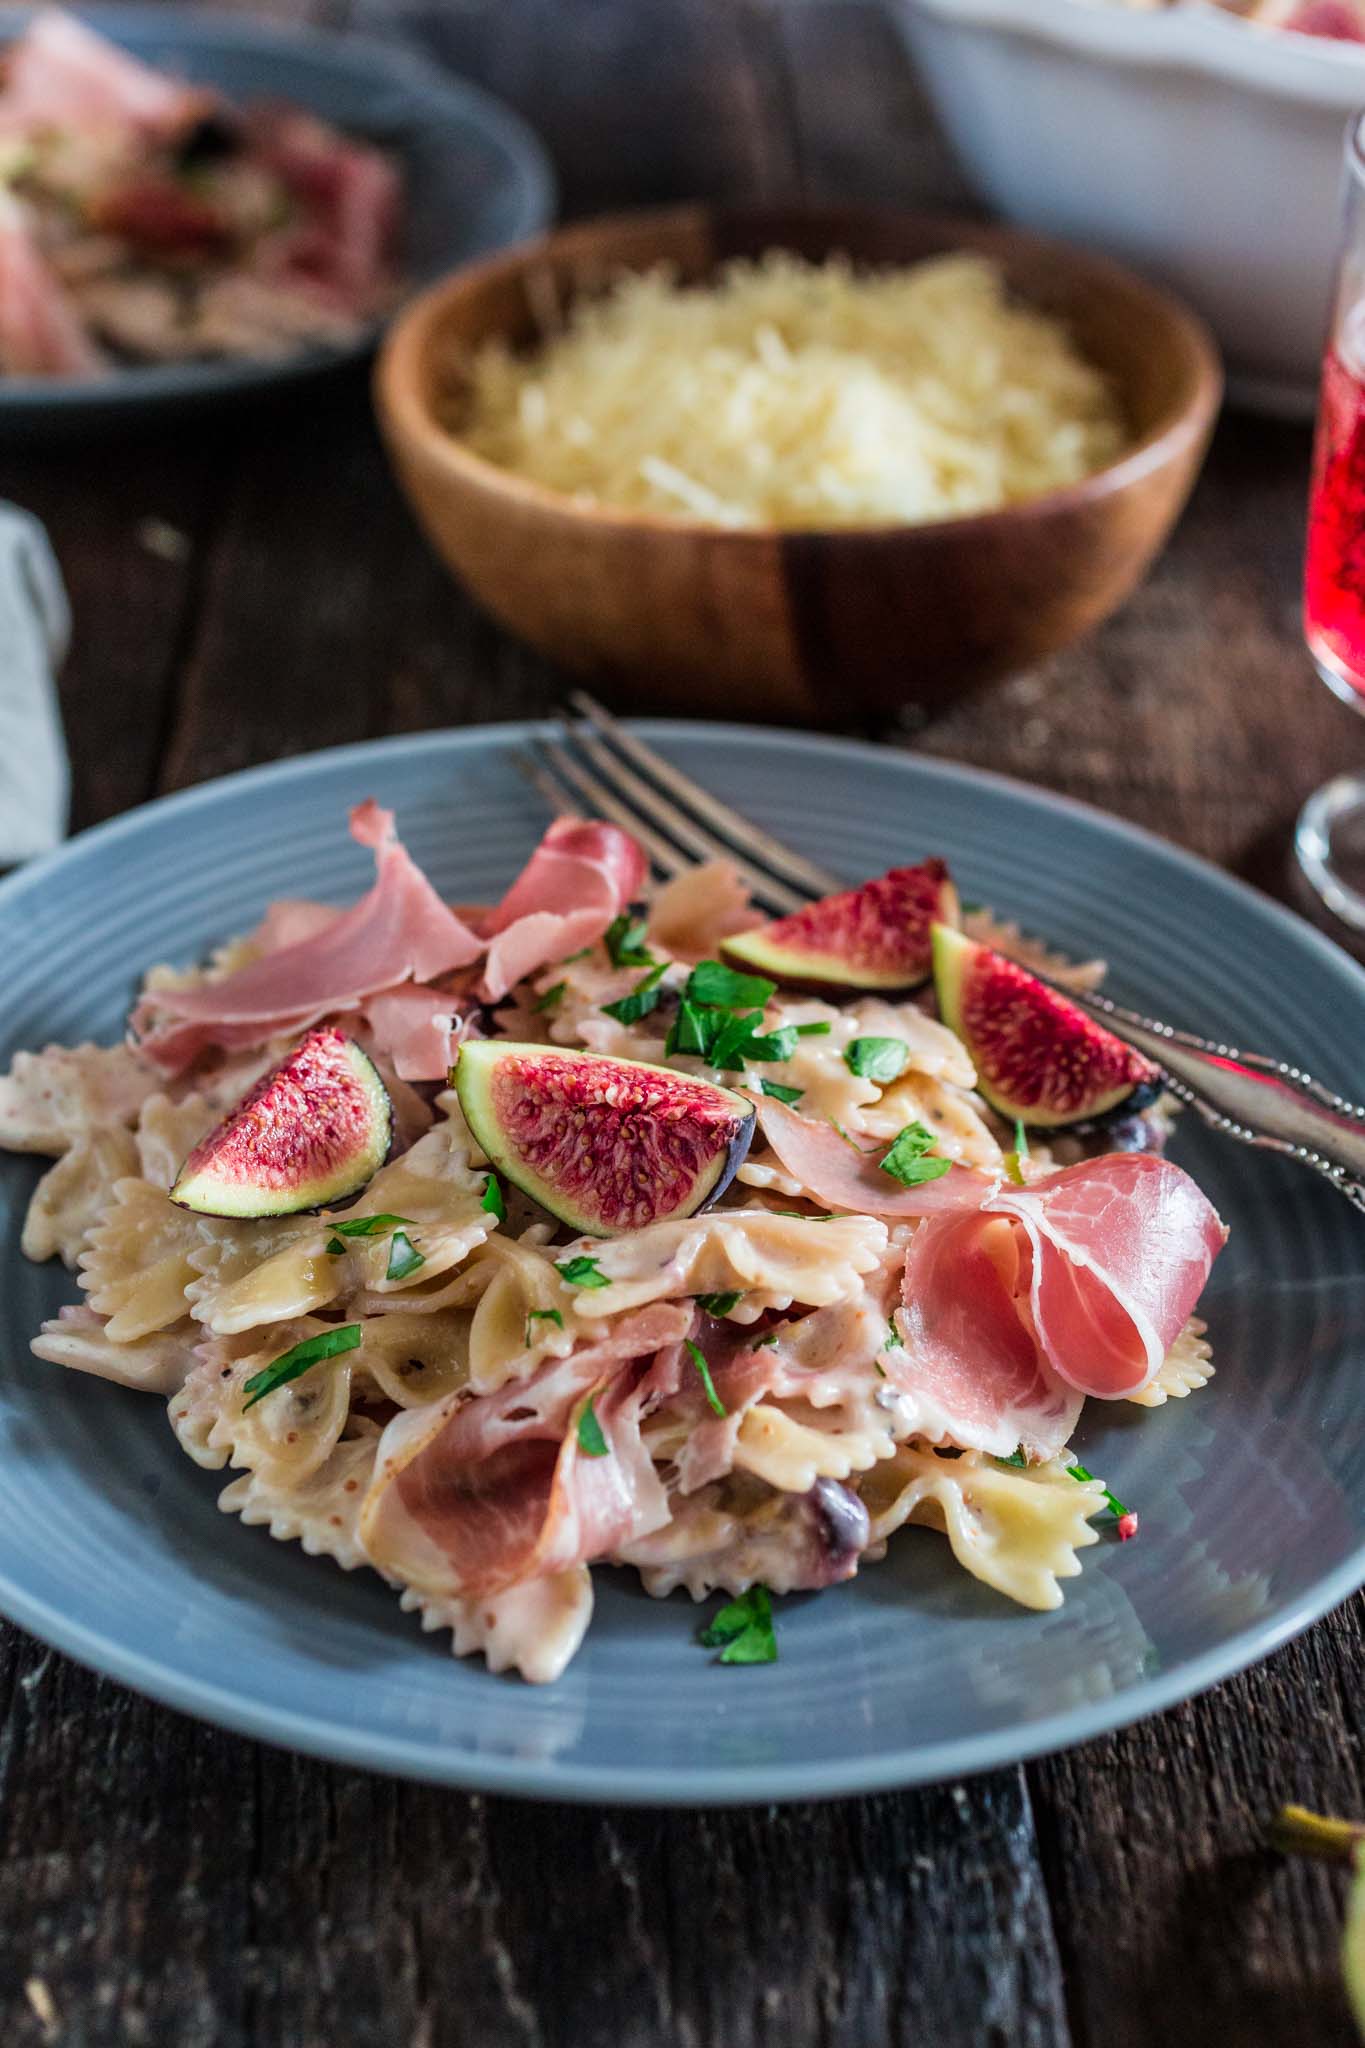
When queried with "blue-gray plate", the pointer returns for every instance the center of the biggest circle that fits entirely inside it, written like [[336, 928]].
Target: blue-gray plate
[[475, 179], [1251, 1493]]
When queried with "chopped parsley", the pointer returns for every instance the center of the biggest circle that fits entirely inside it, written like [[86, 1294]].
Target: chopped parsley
[[591, 1441], [492, 1201], [625, 942], [692, 1030], [1112, 1504], [727, 1039], [1014, 1161], [582, 1272], [541, 1315], [743, 1632], [335, 1247], [877, 1059], [1018, 1456], [894, 1339], [643, 998], [907, 1162], [780, 1092], [759, 1342], [292, 1365], [404, 1257], [366, 1226], [717, 1304], [551, 996], [712, 982], [698, 1359], [817, 1030], [581, 954]]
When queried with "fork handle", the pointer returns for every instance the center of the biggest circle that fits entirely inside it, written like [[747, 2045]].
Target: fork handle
[[1262, 1101]]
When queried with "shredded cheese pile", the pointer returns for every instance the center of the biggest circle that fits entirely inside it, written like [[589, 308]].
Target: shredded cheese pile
[[798, 395]]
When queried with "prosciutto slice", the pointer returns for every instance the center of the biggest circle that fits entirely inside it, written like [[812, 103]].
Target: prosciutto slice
[[580, 877], [471, 1497], [415, 1028], [62, 74], [969, 1364], [1121, 1249], [838, 1174], [400, 930]]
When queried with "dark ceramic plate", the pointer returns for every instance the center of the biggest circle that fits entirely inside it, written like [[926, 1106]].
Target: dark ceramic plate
[[1251, 1494]]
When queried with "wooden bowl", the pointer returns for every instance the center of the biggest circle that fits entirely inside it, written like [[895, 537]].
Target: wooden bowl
[[811, 624]]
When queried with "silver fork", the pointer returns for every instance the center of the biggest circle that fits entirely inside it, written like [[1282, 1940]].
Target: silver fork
[[1267, 1103]]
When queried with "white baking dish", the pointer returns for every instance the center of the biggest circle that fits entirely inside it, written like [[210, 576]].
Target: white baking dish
[[1201, 149]]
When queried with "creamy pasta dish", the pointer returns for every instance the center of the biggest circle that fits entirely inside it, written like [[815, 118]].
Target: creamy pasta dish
[[613, 1224]]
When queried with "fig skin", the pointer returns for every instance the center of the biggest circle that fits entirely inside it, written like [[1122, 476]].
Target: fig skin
[[1092, 1074], [816, 947], [590, 1094], [266, 1159]]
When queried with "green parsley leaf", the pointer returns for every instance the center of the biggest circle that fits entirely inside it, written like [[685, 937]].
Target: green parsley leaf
[[582, 1272], [743, 1632], [492, 1201], [1018, 1456], [877, 1059], [1112, 1504], [541, 1315], [906, 1161], [711, 981], [695, 1353], [581, 954], [813, 1030], [625, 942], [551, 996], [760, 1342], [717, 1304], [643, 998], [1020, 1138], [365, 1226], [730, 1043], [693, 1030], [404, 1257], [335, 1247], [591, 1441], [894, 1339], [292, 1365], [777, 1045], [780, 1092]]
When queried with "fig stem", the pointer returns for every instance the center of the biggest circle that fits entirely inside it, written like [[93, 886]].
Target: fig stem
[[1296, 1831]]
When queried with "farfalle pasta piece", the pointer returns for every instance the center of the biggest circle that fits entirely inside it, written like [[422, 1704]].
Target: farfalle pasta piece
[[690, 915], [167, 1132], [791, 1445], [1187, 1367], [286, 1435], [440, 1192], [413, 1359], [48, 1099], [525, 1315], [739, 1532], [773, 1260], [73, 1194], [320, 1511], [78, 1338], [247, 1275], [1017, 1528], [533, 1629], [138, 1264]]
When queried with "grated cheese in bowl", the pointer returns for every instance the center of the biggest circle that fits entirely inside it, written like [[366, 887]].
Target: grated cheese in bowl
[[791, 394]]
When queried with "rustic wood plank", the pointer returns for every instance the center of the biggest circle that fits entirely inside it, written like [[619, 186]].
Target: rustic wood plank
[[1166, 1897]]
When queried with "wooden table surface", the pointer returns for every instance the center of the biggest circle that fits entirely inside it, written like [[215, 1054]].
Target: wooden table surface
[[257, 590]]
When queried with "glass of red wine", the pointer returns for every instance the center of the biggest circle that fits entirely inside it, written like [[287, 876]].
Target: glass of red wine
[[1330, 839]]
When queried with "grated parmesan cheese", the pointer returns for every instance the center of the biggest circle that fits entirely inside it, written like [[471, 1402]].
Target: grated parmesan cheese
[[798, 395]]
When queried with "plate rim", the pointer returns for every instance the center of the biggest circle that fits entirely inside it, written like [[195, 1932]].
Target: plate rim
[[144, 390], [628, 1784]]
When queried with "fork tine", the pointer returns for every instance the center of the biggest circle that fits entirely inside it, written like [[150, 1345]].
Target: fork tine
[[618, 775], [633, 794], [560, 768], [561, 802], [736, 832]]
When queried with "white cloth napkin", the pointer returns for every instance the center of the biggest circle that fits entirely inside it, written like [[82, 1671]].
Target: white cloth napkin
[[35, 624]]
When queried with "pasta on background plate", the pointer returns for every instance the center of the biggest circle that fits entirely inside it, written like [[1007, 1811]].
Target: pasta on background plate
[[891, 1314]]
